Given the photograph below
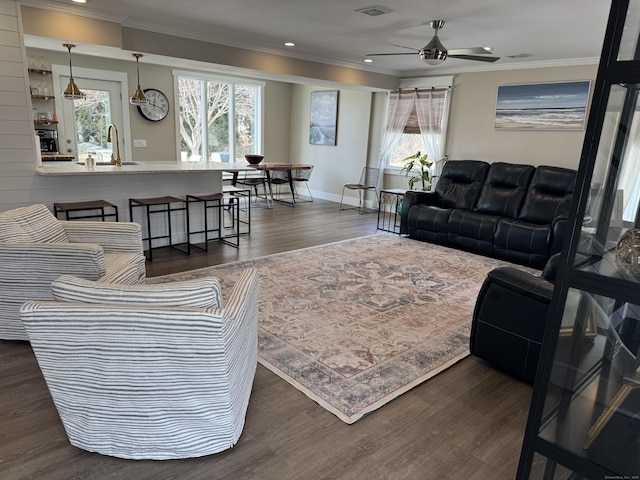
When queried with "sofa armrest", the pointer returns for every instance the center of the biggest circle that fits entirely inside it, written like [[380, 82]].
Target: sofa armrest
[[425, 198], [44, 262], [509, 320], [113, 237], [523, 283], [415, 197], [559, 228]]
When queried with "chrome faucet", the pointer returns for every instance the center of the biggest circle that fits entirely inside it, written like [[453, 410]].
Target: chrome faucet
[[115, 159]]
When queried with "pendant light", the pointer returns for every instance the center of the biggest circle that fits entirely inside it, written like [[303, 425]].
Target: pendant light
[[72, 92], [138, 97]]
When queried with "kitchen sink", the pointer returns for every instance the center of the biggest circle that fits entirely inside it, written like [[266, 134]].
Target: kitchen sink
[[109, 164]]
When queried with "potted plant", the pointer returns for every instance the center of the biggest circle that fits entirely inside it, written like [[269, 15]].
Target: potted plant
[[416, 169]]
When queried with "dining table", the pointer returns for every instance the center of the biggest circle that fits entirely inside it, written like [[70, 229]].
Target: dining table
[[269, 167]]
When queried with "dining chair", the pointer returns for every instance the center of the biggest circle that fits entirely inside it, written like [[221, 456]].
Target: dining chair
[[368, 181], [252, 180], [303, 175], [279, 177]]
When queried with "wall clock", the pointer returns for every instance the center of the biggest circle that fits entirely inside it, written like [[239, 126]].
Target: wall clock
[[157, 108]]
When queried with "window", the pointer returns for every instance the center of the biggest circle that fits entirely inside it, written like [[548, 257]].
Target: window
[[219, 119], [416, 120]]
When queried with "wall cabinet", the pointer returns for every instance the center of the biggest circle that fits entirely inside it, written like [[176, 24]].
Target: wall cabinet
[[584, 420]]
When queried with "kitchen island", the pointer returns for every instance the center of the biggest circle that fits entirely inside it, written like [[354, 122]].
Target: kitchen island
[[74, 182]]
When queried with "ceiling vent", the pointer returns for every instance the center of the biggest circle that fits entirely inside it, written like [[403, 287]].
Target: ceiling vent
[[374, 11], [520, 55]]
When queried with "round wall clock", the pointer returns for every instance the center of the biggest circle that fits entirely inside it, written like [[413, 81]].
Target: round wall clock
[[158, 106]]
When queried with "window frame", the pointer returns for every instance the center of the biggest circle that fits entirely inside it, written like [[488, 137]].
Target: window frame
[[232, 82]]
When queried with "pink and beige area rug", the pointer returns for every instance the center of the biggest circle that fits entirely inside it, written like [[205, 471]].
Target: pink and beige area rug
[[355, 324]]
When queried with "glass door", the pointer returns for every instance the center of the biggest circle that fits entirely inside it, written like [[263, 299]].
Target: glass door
[[85, 121]]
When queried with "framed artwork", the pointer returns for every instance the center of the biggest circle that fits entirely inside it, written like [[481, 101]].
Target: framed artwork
[[324, 118], [542, 106]]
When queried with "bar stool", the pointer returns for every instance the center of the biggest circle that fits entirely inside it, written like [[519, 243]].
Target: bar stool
[[166, 203], [233, 195], [67, 208], [212, 201]]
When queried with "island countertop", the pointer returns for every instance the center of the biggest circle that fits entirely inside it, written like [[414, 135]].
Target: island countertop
[[73, 168]]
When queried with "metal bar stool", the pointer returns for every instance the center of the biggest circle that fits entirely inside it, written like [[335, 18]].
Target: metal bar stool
[[67, 208], [233, 195], [165, 202], [211, 201]]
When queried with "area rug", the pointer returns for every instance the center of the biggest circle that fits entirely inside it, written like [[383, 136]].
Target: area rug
[[355, 324]]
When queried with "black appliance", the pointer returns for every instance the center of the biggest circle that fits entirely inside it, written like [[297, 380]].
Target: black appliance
[[48, 140]]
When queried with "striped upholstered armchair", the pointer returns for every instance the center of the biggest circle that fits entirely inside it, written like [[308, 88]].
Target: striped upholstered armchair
[[159, 371], [36, 248]]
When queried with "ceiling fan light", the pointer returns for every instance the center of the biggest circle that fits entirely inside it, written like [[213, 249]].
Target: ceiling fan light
[[433, 56], [433, 53]]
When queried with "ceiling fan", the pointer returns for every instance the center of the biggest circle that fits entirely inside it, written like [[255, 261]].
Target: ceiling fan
[[434, 52]]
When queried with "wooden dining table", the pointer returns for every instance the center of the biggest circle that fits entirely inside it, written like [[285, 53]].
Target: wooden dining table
[[269, 167]]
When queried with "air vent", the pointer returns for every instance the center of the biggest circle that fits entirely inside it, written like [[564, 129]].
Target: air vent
[[374, 11], [520, 55]]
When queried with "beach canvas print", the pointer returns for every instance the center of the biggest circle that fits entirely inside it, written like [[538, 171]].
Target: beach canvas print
[[542, 106]]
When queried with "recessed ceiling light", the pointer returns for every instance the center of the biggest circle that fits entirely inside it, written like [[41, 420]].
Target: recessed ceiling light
[[368, 60], [487, 48], [79, 1], [289, 44]]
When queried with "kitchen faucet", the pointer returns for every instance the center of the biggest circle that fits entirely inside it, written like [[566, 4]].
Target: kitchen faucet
[[116, 160]]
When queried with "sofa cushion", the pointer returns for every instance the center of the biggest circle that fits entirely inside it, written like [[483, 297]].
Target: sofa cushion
[[429, 223], [203, 292], [35, 224], [522, 242], [504, 189], [549, 195], [460, 183], [472, 231]]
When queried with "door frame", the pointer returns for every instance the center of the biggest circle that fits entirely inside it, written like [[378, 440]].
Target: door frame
[[79, 73]]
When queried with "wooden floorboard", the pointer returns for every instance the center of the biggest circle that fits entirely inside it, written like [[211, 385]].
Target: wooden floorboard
[[465, 423]]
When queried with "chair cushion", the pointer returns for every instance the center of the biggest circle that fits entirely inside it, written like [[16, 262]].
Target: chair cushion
[[35, 224], [203, 292]]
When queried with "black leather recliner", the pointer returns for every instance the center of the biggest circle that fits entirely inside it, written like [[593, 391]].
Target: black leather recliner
[[510, 317]]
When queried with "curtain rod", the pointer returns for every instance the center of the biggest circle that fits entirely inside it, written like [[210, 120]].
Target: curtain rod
[[432, 89]]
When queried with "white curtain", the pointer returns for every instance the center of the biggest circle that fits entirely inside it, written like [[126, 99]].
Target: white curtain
[[399, 105], [432, 109]]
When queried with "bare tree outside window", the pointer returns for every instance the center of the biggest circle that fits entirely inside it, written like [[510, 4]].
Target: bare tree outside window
[[220, 137]]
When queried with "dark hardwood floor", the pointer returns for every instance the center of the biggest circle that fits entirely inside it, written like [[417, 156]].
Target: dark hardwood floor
[[466, 423]]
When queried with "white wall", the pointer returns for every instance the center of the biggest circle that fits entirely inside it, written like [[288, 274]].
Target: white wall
[[17, 137], [333, 165], [472, 136]]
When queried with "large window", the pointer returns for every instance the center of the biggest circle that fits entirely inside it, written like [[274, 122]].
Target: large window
[[416, 120], [219, 119]]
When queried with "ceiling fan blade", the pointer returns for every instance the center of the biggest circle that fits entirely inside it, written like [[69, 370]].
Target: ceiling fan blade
[[381, 54], [475, 57], [470, 51]]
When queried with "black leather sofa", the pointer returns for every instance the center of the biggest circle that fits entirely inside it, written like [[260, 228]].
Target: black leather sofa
[[504, 210], [510, 317]]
